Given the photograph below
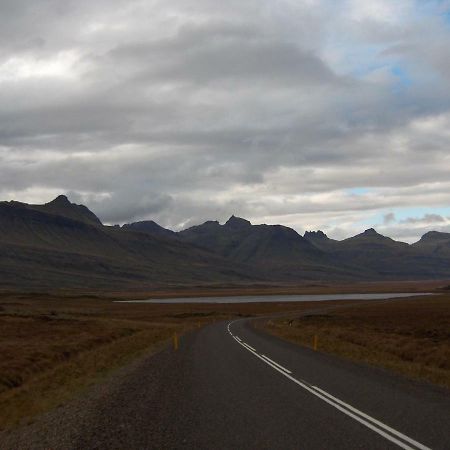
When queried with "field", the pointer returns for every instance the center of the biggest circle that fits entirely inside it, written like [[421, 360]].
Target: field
[[53, 346], [410, 337]]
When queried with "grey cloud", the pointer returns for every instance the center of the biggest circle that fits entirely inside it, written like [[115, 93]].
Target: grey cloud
[[426, 219], [411, 234], [388, 218], [228, 59], [125, 206], [189, 110]]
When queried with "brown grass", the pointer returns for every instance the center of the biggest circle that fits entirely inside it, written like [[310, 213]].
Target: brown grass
[[52, 346], [411, 337], [318, 287]]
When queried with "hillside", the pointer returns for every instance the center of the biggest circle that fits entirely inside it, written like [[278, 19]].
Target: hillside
[[278, 251], [42, 249], [320, 240], [434, 243], [149, 227], [63, 245], [385, 258]]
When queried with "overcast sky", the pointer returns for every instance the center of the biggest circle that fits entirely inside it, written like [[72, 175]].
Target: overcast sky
[[316, 114]]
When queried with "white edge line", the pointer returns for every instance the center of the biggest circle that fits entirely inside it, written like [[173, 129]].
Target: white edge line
[[336, 404], [238, 338], [248, 346], [278, 365], [373, 420]]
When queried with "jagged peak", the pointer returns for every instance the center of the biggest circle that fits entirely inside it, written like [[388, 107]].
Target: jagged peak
[[60, 200], [319, 234], [234, 221], [371, 232], [63, 206]]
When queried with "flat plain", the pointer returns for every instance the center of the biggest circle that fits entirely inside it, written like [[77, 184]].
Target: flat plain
[[411, 337], [55, 345]]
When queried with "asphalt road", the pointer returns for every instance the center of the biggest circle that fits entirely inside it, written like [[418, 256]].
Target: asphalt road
[[230, 386]]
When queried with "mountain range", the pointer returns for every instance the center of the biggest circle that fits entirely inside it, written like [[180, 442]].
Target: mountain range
[[64, 245]]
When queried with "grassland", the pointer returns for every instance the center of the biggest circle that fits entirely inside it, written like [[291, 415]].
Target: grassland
[[410, 337], [53, 346]]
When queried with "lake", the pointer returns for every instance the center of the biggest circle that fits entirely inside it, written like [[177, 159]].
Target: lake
[[276, 298]]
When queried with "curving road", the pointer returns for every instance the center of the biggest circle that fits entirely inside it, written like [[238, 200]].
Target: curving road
[[230, 386]]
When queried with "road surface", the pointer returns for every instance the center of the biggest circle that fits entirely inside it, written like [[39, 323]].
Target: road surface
[[230, 386]]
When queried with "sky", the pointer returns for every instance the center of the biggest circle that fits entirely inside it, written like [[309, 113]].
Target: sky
[[315, 114]]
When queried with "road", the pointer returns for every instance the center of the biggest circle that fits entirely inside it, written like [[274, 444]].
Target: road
[[230, 386]]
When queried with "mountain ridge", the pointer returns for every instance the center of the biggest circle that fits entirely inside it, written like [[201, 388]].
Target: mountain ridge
[[64, 244]]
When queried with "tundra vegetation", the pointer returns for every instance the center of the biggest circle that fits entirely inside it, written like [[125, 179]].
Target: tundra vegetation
[[54, 346], [410, 337]]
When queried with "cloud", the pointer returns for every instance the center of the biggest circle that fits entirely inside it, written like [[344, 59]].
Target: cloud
[[426, 219], [388, 218], [184, 111]]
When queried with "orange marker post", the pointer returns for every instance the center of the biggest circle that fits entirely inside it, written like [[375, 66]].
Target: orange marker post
[[175, 341]]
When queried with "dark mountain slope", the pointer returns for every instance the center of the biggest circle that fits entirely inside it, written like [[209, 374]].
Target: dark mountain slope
[[150, 227], [41, 249], [382, 257], [370, 240], [63, 245], [61, 206], [434, 243], [241, 241], [274, 249], [33, 227], [320, 240]]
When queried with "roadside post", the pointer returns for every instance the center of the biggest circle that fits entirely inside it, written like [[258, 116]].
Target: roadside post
[[175, 341]]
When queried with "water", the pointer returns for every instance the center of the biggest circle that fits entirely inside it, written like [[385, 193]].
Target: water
[[276, 298]]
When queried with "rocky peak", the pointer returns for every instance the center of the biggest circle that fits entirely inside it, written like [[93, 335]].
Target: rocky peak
[[237, 222], [371, 232], [61, 200], [315, 235], [61, 205]]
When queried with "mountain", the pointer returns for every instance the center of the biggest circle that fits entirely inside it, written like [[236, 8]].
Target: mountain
[[381, 257], [319, 239], [61, 206], [434, 243], [150, 227], [62, 245], [273, 249], [370, 241], [239, 240]]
